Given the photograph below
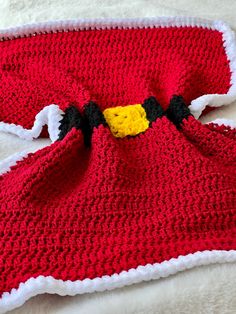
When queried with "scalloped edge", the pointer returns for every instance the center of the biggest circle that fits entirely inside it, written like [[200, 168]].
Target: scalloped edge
[[48, 284], [198, 104], [42, 284]]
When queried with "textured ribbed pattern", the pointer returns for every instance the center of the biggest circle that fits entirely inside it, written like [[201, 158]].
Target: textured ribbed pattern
[[91, 211], [113, 67], [74, 213]]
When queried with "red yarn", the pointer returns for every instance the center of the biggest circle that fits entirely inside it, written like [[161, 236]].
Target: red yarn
[[74, 213], [112, 67]]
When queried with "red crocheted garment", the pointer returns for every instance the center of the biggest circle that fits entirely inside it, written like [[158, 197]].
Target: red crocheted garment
[[113, 67], [98, 211]]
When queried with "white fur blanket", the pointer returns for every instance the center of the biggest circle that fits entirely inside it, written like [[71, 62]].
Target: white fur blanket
[[209, 289]]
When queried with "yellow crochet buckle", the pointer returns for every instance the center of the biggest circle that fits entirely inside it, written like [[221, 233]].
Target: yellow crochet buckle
[[128, 120]]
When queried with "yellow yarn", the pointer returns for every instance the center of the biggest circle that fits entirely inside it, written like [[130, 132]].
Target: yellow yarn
[[128, 120]]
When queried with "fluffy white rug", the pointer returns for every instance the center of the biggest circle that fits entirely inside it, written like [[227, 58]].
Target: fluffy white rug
[[210, 289]]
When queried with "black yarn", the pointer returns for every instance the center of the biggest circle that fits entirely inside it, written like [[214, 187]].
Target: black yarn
[[177, 110], [153, 109], [72, 118], [93, 117]]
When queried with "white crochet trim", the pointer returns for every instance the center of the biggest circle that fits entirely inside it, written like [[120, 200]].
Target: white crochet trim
[[48, 284], [198, 104], [7, 163], [226, 122], [107, 23], [42, 284], [217, 100], [50, 115]]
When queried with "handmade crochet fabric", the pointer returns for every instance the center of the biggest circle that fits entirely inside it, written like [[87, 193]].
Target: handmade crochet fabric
[[133, 186]]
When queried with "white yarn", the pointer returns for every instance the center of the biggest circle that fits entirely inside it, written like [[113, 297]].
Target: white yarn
[[7, 163], [217, 100], [48, 284], [226, 122], [198, 104], [50, 115], [101, 23]]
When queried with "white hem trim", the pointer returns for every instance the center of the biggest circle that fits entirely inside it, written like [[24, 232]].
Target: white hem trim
[[49, 115], [198, 104], [227, 122], [42, 284], [7, 163], [217, 100]]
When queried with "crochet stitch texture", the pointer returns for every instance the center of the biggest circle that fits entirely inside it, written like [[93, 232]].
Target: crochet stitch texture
[[133, 186], [113, 67]]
